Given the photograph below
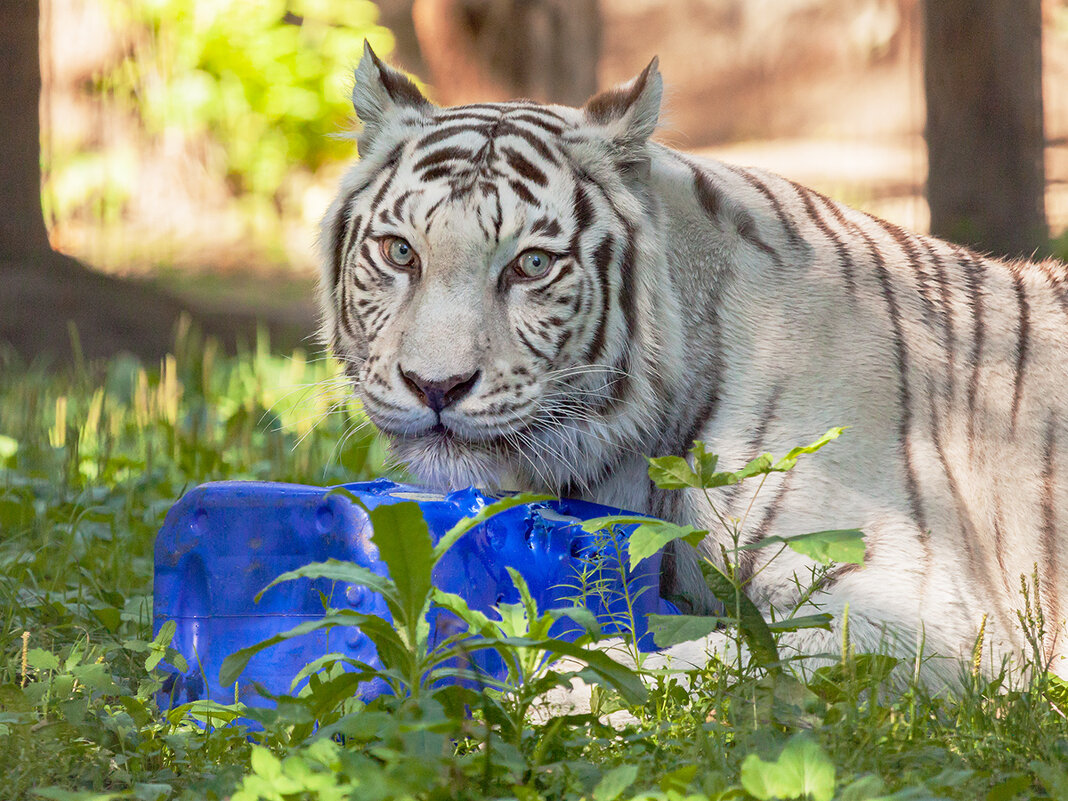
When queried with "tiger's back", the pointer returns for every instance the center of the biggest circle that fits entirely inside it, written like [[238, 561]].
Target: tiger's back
[[946, 367], [538, 297]]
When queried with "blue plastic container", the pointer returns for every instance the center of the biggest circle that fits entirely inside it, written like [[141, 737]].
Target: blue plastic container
[[222, 543]]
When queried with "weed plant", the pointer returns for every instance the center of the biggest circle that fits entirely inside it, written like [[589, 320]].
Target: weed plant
[[92, 457]]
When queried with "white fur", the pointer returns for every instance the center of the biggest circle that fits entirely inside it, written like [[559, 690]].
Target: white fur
[[796, 313]]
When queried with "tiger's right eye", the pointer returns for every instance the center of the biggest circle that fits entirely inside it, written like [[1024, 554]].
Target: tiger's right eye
[[398, 252]]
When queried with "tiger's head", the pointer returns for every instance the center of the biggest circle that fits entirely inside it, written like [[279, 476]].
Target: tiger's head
[[489, 281]]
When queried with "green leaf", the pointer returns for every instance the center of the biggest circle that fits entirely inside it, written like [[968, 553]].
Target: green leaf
[[595, 524], [669, 630], [525, 597], [761, 465], [403, 541], [390, 647], [678, 780], [841, 545], [326, 660], [614, 783], [335, 570], [392, 651], [8, 446], [1010, 788], [96, 676], [158, 646], [704, 463], [579, 614], [826, 547], [40, 659], [514, 621], [603, 667], [819, 621], [866, 788], [109, 616], [750, 622], [802, 770], [790, 459], [835, 682], [648, 538], [672, 472], [485, 513], [264, 763], [60, 794], [477, 622]]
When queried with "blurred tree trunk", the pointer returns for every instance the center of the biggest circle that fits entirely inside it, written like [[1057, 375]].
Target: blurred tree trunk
[[397, 16], [22, 228], [546, 50], [985, 142], [45, 292]]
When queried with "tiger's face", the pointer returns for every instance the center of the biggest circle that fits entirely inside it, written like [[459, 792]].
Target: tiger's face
[[472, 281]]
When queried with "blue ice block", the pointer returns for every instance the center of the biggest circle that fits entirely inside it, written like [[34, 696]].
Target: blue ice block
[[224, 542]]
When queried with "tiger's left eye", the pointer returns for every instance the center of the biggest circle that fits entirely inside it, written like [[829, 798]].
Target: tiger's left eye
[[533, 263], [398, 252]]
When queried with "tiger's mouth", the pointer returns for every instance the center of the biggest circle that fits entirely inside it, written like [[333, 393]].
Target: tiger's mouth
[[441, 432]]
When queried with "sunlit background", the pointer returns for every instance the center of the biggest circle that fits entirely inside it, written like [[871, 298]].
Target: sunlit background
[[199, 141]]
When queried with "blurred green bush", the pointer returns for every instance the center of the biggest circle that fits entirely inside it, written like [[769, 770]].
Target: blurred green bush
[[266, 81]]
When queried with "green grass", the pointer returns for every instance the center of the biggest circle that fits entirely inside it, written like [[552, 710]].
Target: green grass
[[90, 461]]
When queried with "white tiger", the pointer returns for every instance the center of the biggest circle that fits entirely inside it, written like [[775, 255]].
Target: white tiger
[[537, 297]]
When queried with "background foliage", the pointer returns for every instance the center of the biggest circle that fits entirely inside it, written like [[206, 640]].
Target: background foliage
[[260, 87], [92, 458]]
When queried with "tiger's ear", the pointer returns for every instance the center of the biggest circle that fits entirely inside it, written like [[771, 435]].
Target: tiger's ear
[[628, 113], [380, 91]]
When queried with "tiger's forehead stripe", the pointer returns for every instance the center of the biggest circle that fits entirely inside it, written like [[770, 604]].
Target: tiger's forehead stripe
[[527, 123]]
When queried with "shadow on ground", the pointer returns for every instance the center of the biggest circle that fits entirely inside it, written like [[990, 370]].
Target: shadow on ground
[[47, 295]]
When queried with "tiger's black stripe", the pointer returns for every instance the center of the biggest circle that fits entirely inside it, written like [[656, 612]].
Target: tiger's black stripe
[[441, 134], [530, 346], [582, 211], [561, 273], [530, 119], [1023, 341], [521, 191], [399, 203], [443, 154], [524, 167], [968, 530], [710, 200], [845, 263], [848, 225], [974, 273], [547, 226], [339, 233], [1056, 283], [784, 218], [946, 307], [628, 294], [371, 265], [906, 242], [464, 114], [904, 393], [602, 259]]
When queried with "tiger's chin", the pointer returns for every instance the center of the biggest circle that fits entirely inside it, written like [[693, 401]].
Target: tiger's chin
[[442, 461]]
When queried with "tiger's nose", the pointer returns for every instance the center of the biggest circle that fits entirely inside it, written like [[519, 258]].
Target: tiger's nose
[[438, 395]]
